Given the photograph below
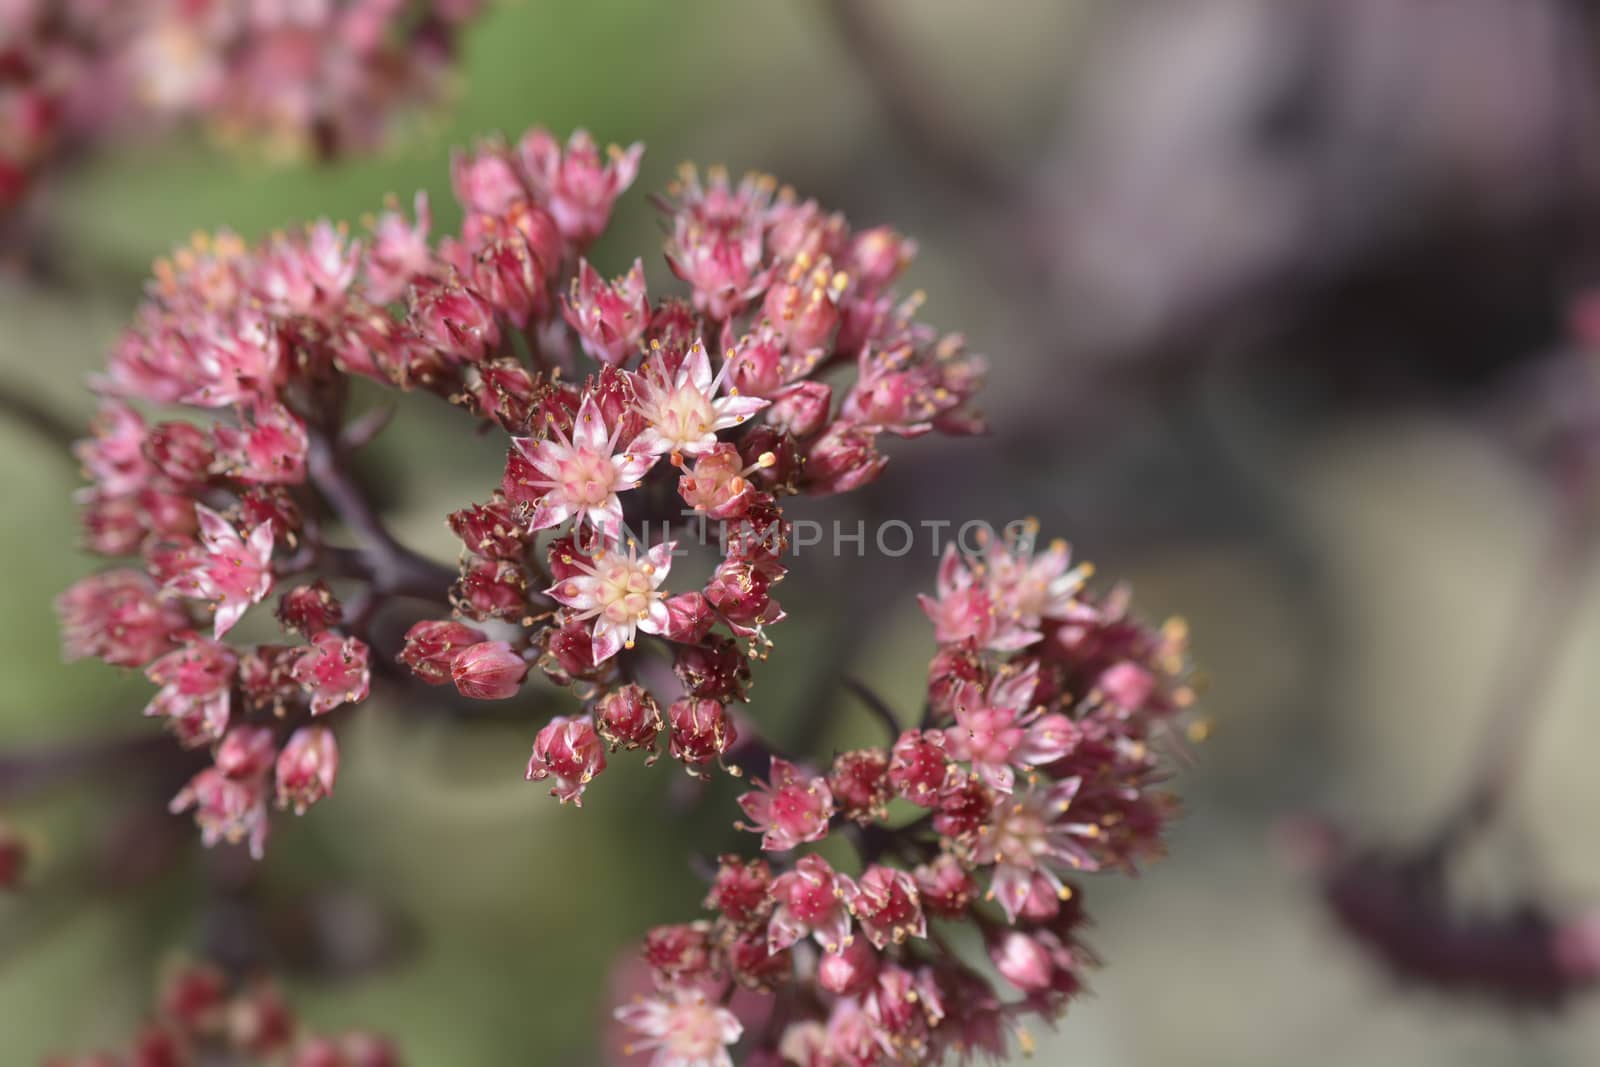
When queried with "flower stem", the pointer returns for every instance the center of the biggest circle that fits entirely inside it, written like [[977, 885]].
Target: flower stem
[[1517, 696], [392, 568]]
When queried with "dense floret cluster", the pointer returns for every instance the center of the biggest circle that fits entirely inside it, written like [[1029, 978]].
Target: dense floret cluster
[[1050, 720], [294, 76], [689, 418], [639, 428], [201, 1016]]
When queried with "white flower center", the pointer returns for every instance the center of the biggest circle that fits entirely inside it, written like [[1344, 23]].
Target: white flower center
[[1022, 835], [685, 416], [586, 479], [696, 1031], [625, 590]]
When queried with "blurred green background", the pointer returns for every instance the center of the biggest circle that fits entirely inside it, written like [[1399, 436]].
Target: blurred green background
[[1348, 571]]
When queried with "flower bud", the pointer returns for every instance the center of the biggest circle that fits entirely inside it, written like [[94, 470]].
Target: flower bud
[[690, 618], [266, 678], [570, 750], [878, 256], [715, 669], [491, 530], [964, 805], [679, 952], [575, 184], [226, 809], [739, 590], [1127, 685], [917, 767], [804, 307], [489, 670], [610, 318], [117, 616], [509, 277], [569, 653], [752, 962], [701, 731], [246, 752], [719, 484], [756, 366], [270, 449], [1034, 962], [946, 888], [844, 458], [181, 451], [740, 890], [259, 1022], [952, 669], [860, 784], [485, 181], [308, 610], [491, 589], [192, 998], [261, 504], [431, 647], [629, 718], [454, 320], [849, 972], [506, 392]]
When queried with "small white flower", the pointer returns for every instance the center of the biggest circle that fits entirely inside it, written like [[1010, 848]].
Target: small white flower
[[620, 592], [683, 1027], [583, 476], [684, 415]]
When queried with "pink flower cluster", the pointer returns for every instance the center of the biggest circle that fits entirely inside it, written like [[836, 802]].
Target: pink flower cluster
[[202, 1017], [324, 76], [1050, 717], [692, 416]]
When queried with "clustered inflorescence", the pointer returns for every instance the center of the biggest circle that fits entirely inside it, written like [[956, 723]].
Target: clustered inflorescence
[[324, 76], [623, 413], [1038, 758], [779, 371], [201, 1016]]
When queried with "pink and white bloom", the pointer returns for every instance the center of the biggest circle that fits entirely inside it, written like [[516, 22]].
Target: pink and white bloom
[[117, 616], [1037, 961], [1000, 735], [1029, 589], [114, 457], [333, 671], [246, 753], [620, 592], [683, 415], [886, 904], [961, 608], [609, 317], [307, 767], [575, 185], [681, 1028], [399, 251], [788, 809], [570, 751], [231, 571], [1029, 836], [196, 689], [810, 901], [226, 809], [582, 476], [488, 670]]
